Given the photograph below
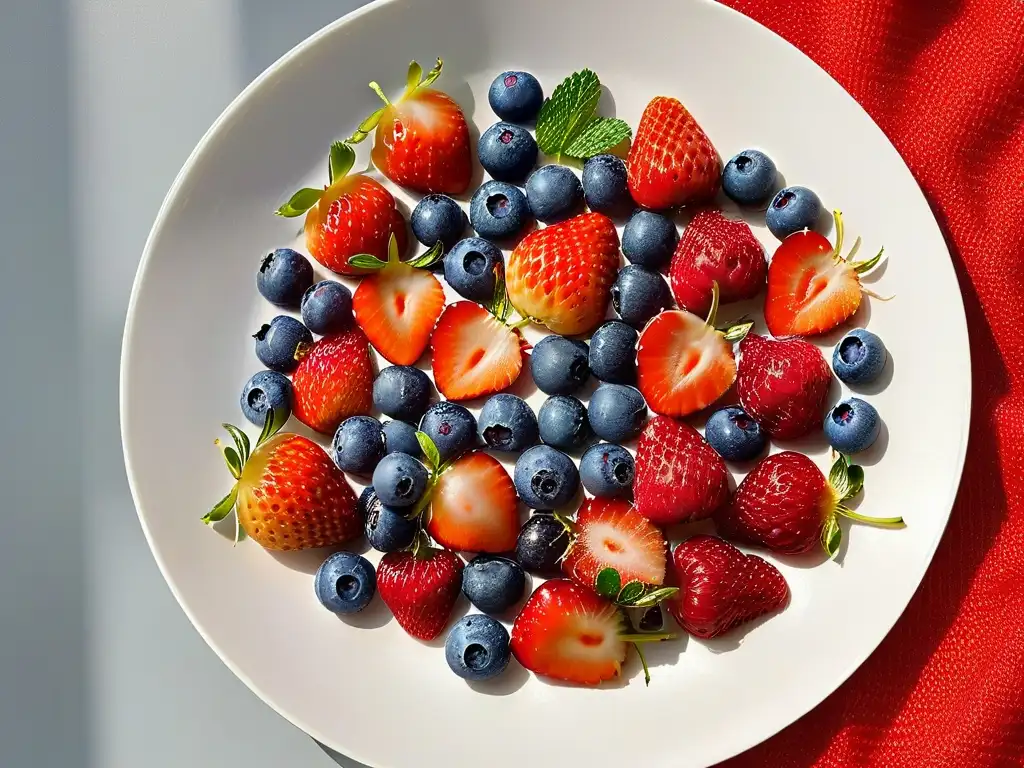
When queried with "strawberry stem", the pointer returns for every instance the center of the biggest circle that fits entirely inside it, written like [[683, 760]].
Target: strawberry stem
[[882, 522], [643, 663], [715, 298], [652, 637]]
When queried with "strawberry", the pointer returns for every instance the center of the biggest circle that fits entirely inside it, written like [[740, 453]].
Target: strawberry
[[679, 477], [567, 632], [354, 215], [288, 493], [561, 276], [783, 384], [787, 505], [398, 306], [716, 249], [721, 588], [672, 161], [610, 533], [474, 506], [334, 380], [684, 363], [474, 352], [811, 287], [420, 587], [422, 140]]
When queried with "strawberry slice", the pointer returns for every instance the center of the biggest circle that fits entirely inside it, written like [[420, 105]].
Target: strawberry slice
[[334, 380], [398, 306], [566, 632], [721, 588], [610, 533], [422, 140], [684, 364], [420, 587], [474, 506], [811, 287]]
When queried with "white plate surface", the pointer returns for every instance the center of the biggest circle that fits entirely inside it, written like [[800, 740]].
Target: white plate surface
[[366, 689]]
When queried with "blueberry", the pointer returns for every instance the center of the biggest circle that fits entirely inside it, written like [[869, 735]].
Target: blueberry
[[515, 96], [852, 426], [563, 423], [639, 294], [345, 583], [470, 266], [387, 529], [400, 437], [400, 480], [859, 357], [493, 584], [438, 217], [545, 478], [327, 307], [452, 428], [554, 193], [283, 277], [507, 423], [604, 185], [477, 648], [277, 342], [649, 239], [613, 353], [734, 434], [358, 445], [617, 413], [749, 178], [542, 544], [559, 366], [499, 210], [507, 152], [791, 210], [607, 470], [266, 390], [402, 392]]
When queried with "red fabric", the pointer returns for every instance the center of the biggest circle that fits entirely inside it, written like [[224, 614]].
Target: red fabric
[[945, 80]]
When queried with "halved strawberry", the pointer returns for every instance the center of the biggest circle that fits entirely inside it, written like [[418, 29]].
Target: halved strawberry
[[474, 506], [334, 380], [474, 352], [398, 306], [420, 587], [566, 632], [561, 276], [811, 287], [422, 140], [684, 364], [610, 533]]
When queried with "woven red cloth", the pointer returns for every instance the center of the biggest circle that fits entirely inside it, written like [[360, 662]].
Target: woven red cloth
[[945, 81]]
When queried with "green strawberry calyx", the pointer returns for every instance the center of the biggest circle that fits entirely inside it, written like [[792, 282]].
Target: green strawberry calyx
[[633, 594], [860, 267], [733, 333], [424, 261], [342, 158], [414, 81], [236, 458], [846, 481]]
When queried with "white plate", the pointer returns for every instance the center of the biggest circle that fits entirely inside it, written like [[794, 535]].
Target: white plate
[[368, 690]]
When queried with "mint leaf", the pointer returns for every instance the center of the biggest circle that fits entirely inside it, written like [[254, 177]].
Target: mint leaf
[[831, 537], [300, 202], [430, 451], [608, 583], [564, 116], [600, 135], [223, 507], [343, 157]]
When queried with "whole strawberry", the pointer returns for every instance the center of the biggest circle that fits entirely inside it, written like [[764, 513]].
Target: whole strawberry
[[721, 588], [288, 493], [561, 276], [783, 384], [422, 140], [672, 162], [420, 587], [787, 505], [334, 380], [679, 477], [716, 249], [354, 215]]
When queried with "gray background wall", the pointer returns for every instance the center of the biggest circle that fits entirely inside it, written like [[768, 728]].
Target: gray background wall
[[101, 102]]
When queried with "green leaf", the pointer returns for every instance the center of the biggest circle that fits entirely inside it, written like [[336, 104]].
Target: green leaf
[[860, 267], [600, 135], [343, 157], [223, 507], [630, 593], [300, 202], [272, 425], [855, 474], [564, 116], [234, 461], [738, 332], [432, 75], [366, 261], [239, 531], [431, 257], [500, 307], [241, 441], [831, 537], [608, 583], [656, 596], [847, 479], [412, 79], [366, 126], [430, 451]]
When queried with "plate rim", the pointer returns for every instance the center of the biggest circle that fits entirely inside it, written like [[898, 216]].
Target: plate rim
[[742, 744]]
